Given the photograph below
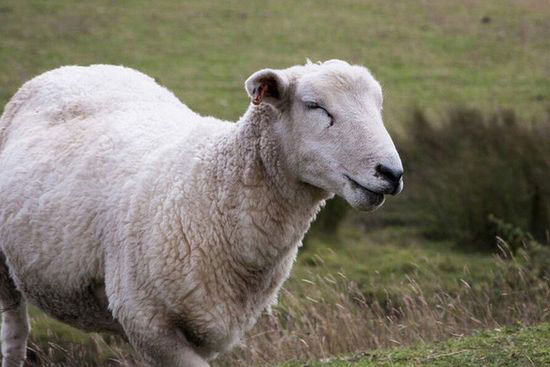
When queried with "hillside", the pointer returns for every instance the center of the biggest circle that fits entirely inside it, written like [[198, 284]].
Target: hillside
[[380, 282], [430, 54]]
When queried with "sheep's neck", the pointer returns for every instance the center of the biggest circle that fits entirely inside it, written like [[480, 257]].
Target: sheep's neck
[[274, 210]]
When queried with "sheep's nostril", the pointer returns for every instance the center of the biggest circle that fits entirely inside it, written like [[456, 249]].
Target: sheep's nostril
[[393, 175]]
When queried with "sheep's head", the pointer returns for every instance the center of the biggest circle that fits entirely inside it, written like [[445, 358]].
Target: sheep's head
[[331, 130]]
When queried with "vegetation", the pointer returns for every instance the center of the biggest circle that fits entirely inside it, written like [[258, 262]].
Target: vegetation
[[469, 167], [430, 54], [502, 347], [325, 313], [54, 344], [358, 289], [423, 296], [382, 262]]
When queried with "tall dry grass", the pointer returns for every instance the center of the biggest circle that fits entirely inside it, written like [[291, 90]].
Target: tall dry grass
[[323, 316], [95, 351], [326, 316]]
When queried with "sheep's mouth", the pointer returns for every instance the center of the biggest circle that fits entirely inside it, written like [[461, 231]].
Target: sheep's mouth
[[377, 196]]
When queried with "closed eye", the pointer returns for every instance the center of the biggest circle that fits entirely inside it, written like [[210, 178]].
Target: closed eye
[[316, 106]]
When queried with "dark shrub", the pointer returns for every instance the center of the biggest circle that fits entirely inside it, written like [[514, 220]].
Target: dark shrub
[[468, 167], [326, 224], [330, 216]]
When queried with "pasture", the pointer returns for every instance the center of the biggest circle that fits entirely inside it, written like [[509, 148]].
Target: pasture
[[378, 289], [432, 54]]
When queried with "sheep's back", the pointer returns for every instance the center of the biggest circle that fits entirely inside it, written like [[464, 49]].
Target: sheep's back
[[74, 145]]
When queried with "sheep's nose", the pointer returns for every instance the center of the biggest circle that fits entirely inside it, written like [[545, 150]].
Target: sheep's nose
[[392, 175]]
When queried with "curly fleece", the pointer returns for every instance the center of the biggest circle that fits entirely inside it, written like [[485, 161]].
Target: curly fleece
[[122, 210]]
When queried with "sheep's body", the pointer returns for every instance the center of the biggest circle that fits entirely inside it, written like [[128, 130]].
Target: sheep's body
[[122, 210]]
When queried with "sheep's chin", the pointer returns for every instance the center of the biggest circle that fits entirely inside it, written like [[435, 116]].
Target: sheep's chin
[[362, 199], [367, 201]]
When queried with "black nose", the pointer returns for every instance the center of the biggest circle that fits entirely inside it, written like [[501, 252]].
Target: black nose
[[393, 175]]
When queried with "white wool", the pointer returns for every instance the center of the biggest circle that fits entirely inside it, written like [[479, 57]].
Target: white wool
[[122, 210]]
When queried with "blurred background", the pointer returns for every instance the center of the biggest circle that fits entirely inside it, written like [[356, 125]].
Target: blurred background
[[464, 248]]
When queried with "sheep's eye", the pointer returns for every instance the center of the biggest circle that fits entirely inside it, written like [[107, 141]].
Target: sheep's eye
[[316, 106]]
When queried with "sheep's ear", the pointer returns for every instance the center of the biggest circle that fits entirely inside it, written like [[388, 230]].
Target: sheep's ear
[[266, 85]]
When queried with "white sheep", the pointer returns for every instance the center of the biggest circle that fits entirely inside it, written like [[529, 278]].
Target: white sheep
[[123, 211]]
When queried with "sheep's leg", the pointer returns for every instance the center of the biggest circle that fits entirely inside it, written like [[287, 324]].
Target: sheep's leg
[[15, 330], [162, 345], [163, 352], [15, 327]]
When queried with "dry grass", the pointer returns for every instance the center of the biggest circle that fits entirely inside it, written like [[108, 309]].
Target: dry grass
[[100, 353], [320, 316], [329, 315]]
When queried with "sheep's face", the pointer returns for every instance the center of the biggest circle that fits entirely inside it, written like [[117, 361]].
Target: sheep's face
[[331, 129]]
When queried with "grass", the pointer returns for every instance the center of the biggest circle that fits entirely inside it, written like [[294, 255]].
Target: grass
[[53, 343], [502, 347], [430, 54], [325, 312], [349, 291], [383, 261], [390, 286]]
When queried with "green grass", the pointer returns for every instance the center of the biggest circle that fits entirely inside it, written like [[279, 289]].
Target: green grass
[[384, 261], [62, 345], [503, 347], [431, 54], [427, 54]]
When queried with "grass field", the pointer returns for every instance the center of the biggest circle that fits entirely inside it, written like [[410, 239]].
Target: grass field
[[396, 286], [430, 54], [503, 347], [383, 261]]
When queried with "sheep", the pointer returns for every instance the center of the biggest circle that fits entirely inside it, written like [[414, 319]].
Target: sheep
[[123, 211]]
